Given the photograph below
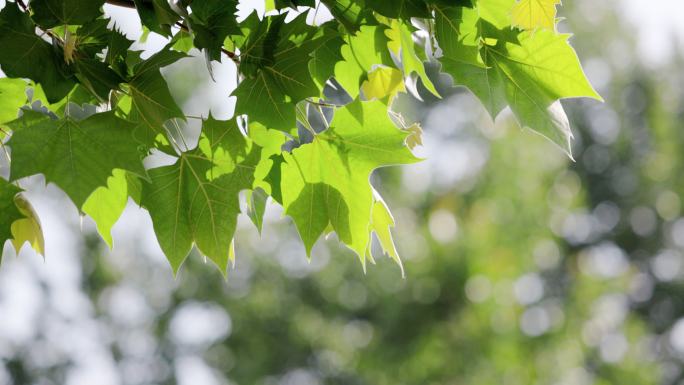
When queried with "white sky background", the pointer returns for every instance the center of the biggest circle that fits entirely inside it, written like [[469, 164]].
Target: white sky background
[[656, 22]]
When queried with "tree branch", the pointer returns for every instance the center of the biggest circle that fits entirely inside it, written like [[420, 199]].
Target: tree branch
[[122, 3], [321, 103], [22, 5]]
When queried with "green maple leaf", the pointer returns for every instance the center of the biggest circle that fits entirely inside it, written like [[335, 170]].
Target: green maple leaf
[[195, 200], [534, 74], [76, 155], [51, 13], [26, 55], [326, 183], [276, 62], [528, 71]]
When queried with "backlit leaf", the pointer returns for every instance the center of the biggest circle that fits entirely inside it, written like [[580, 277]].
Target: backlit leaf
[[532, 14], [76, 155]]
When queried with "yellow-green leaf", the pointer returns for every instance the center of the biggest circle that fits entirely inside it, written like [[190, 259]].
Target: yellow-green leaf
[[533, 14], [381, 223], [27, 229], [106, 204], [383, 82]]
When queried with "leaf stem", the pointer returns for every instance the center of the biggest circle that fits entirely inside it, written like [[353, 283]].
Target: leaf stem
[[22, 5], [321, 104]]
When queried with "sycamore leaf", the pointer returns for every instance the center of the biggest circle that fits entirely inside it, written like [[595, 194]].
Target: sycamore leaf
[[51, 13], [27, 229], [533, 14], [106, 204], [8, 208], [456, 30], [195, 200], [294, 140], [276, 60], [527, 71], [18, 221], [326, 183], [26, 55], [76, 155], [383, 82], [534, 74]]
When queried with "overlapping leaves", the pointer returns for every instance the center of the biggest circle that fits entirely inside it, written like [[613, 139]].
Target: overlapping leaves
[[195, 200], [83, 109], [530, 71], [328, 179]]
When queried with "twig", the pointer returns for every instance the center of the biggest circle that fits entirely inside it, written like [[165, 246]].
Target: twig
[[321, 104], [22, 5], [122, 3]]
